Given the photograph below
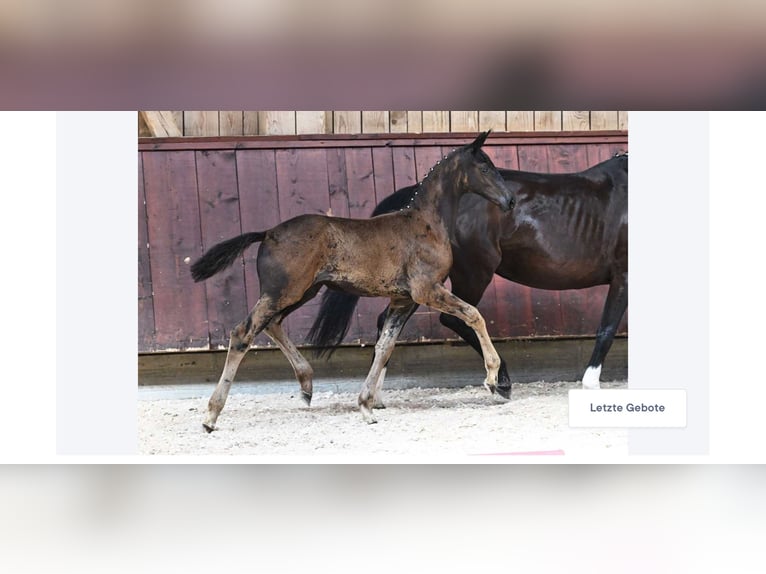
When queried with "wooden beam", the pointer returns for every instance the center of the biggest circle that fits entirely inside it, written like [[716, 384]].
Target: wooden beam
[[161, 124]]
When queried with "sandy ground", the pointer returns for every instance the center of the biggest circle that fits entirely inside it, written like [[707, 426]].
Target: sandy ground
[[455, 421]]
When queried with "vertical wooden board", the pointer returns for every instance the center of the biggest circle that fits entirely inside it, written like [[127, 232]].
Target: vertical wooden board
[[231, 123], [503, 156], [575, 120], [361, 199], [533, 158], [349, 122], [398, 122], [250, 123], [404, 166], [383, 170], [513, 315], [145, 298], [603, 120], [172, 206], [376, 122], [313, 122], [201, 123], [259, 211], [414, 122], [336, 181], [303, 188], [547, 121], [567, 158], [520, 121], [436, 122], [464, 121], [220, 220], [426, 158], [492, 120], [622, 120], [276, 123]]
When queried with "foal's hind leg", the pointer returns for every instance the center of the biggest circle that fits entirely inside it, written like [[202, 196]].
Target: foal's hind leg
[[614, 309], [441, 299], [398, 313], [303, 371], [379, 385], [241, 337]]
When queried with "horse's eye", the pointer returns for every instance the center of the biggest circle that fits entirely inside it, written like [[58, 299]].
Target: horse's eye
[[484, 169]]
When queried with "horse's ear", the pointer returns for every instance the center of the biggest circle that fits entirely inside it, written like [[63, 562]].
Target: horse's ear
[[479, 141]]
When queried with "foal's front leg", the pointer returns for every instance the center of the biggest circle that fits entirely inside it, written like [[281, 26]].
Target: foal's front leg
[[397, 316], [440, 298]]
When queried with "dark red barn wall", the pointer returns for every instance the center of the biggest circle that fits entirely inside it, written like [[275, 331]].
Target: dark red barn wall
[[195, 192]]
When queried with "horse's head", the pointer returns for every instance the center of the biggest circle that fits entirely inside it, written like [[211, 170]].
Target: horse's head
[[480, 175]]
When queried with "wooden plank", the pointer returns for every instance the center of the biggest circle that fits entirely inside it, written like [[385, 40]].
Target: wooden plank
[[575, 120], [250, 123], [600, 120], [201, 123], [404, 166], [143, 129], [398, 122], [231, 123], [464, 121], [276, 123], [336, 181], [492, 120], [145, 298], [547, 121], [514, 317], [361, 199], [303, 188], [347, 122], [220, 220], [414, 122], [180, 309], [161, 124], [375, 122], [374, 140], [259, 211], [436, 122], [622, 120], [520, 121], [383, 173], [313, 122]]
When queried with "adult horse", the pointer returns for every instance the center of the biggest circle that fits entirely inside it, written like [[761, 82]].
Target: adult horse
[[567, 231], [405, 256]]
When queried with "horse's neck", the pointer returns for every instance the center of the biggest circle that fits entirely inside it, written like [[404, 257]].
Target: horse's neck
[[438, 199]]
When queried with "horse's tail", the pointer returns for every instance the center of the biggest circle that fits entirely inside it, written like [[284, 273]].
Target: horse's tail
[[222, 255], [332, 321]]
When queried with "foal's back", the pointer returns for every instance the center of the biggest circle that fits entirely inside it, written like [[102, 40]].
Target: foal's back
[[368, 257]]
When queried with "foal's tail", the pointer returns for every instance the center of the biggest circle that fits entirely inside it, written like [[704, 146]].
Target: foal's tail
[[332, 322], [221, 256]]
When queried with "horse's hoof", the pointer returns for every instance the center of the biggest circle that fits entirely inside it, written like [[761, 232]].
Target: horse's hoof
[[379, 406], [208, 428], [504, 392], [306, 398], [489, 387]]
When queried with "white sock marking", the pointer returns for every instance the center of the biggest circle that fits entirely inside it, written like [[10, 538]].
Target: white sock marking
[[590, 380]]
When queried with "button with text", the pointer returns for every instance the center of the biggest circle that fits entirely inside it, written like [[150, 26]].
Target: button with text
[[655, 408]]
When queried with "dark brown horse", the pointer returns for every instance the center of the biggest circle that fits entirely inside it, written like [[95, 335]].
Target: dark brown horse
[[567, 231], [405, 256]]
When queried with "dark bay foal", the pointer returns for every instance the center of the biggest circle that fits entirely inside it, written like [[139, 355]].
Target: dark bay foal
[[405, 256]]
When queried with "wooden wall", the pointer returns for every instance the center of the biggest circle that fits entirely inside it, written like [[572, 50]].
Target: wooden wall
[[195, 192], [237, 123]]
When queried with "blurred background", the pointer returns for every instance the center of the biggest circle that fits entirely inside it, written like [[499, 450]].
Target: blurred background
[[271, 54], [344, 519]]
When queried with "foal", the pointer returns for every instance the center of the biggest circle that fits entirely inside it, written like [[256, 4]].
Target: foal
[[405, 256]]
